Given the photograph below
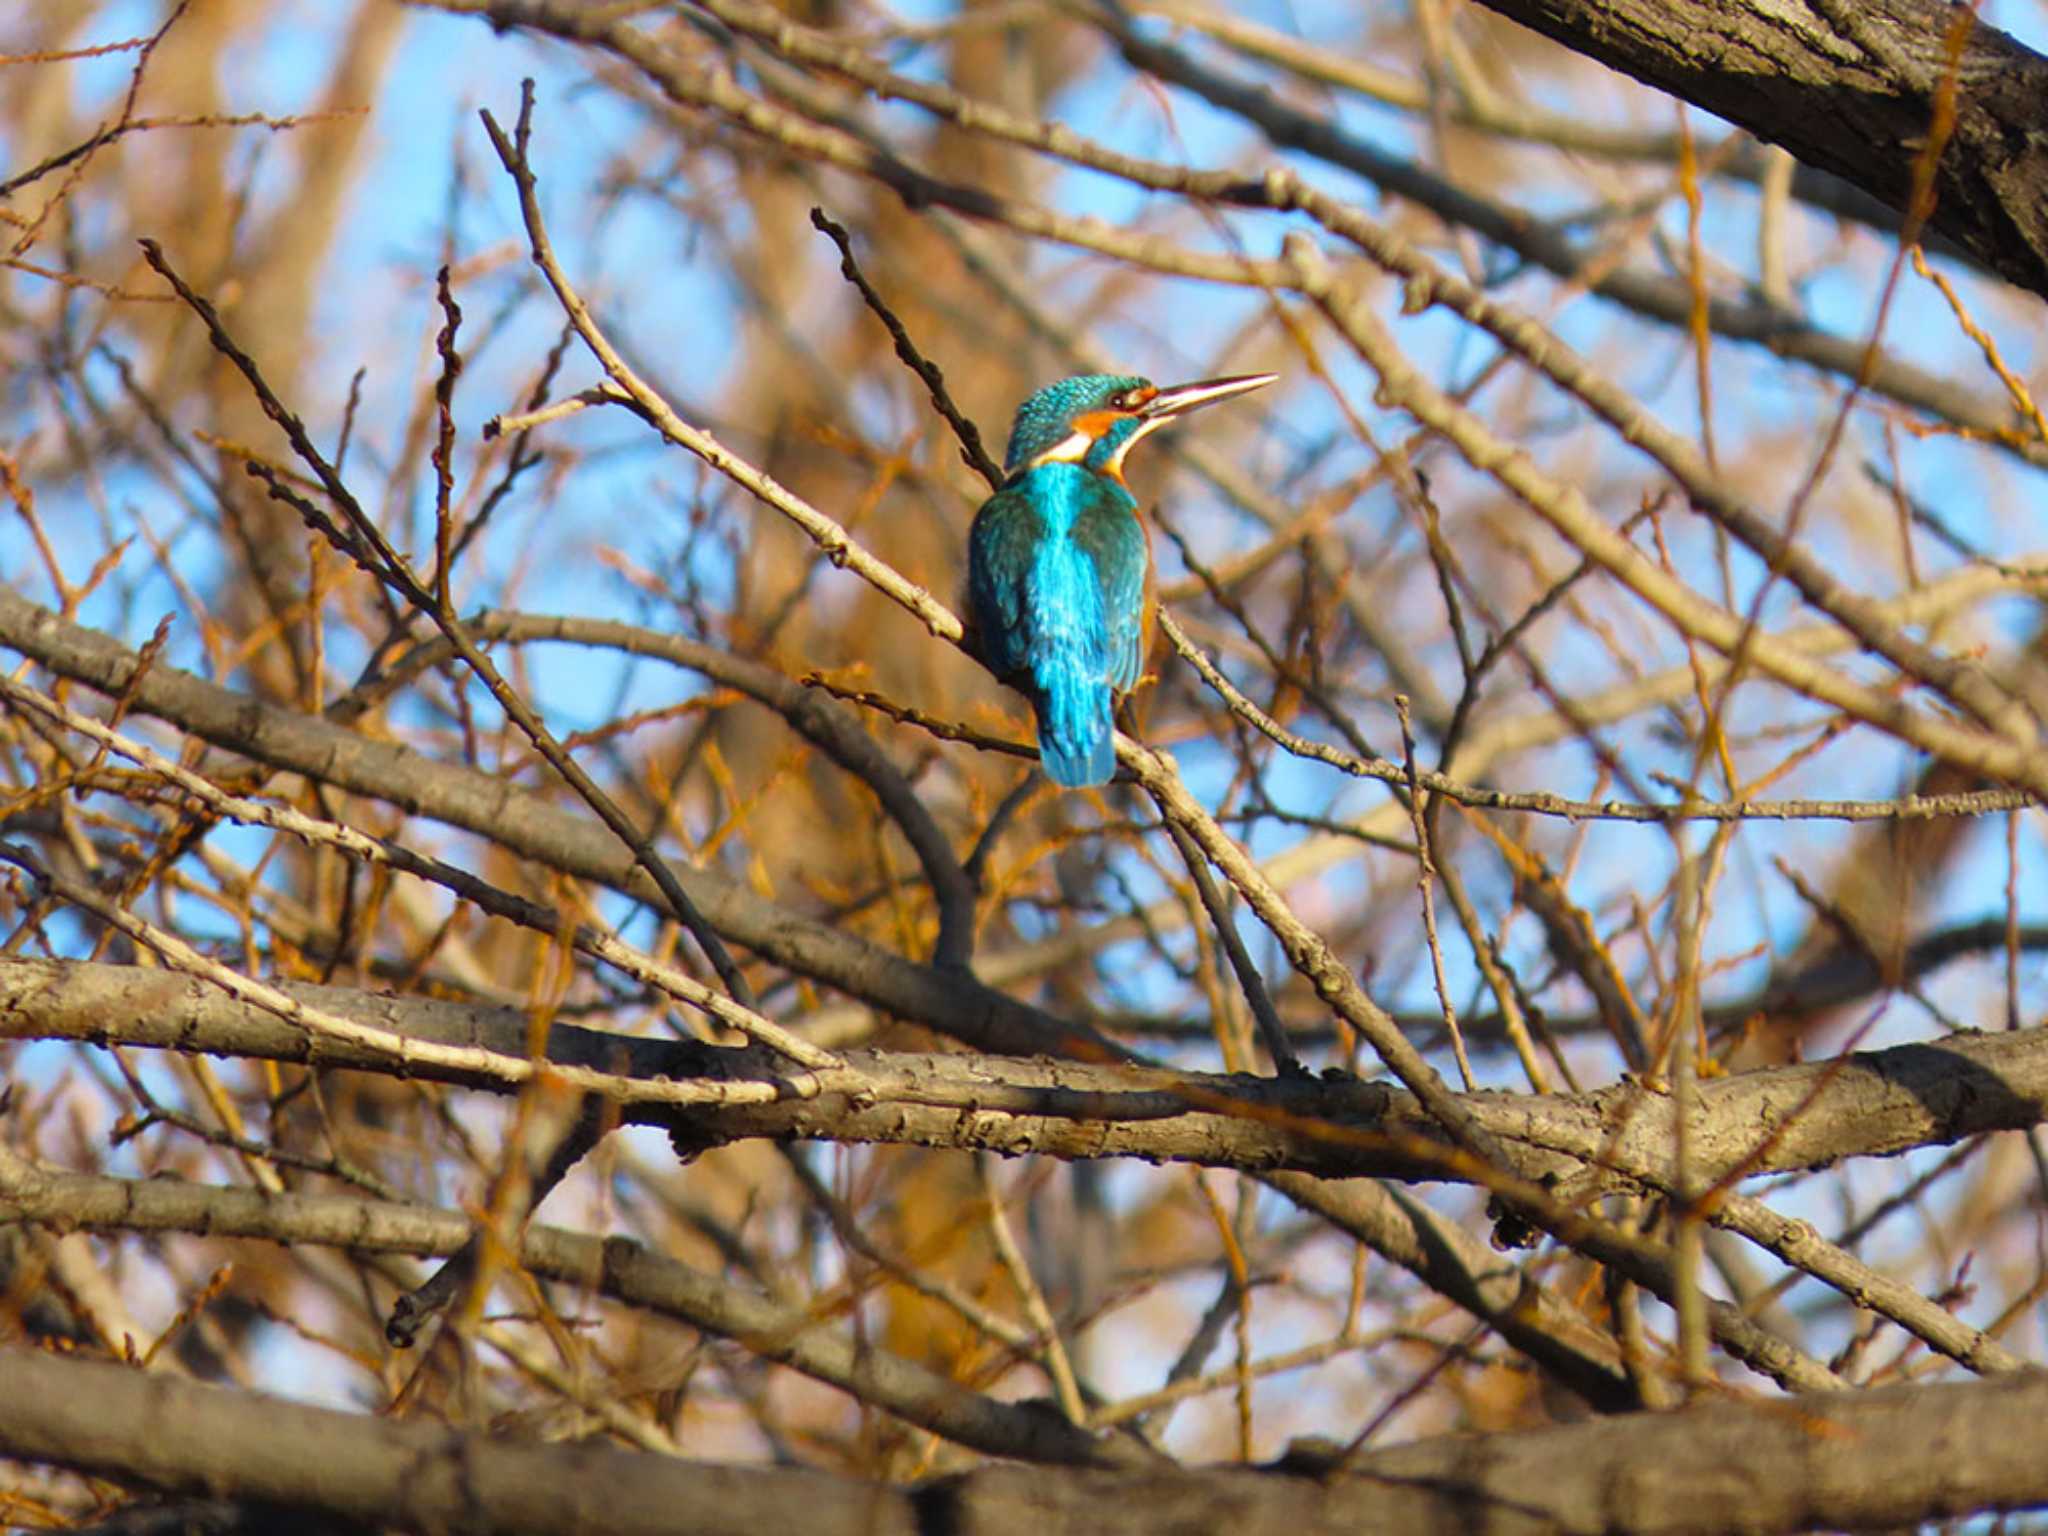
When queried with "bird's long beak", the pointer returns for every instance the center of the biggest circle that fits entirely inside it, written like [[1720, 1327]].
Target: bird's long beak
[[1182, 398]]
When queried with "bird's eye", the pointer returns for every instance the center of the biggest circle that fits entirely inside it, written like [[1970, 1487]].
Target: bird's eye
[[1120, 401]]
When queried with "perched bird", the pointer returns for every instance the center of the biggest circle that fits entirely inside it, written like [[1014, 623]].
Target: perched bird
[[1059, 566]]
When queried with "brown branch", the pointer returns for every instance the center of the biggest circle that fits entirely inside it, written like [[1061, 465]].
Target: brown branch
[[1851, 89], [950, 1101], [1651, 295], [1654, 296], [528, 824], [2007, 754], [790, 1335], [114, 131], [809, 712], [1770, 1121], [971, 448], [376, 554], [1892, 1457]]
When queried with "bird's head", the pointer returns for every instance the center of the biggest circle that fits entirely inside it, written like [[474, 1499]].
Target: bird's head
[[1094, 418]]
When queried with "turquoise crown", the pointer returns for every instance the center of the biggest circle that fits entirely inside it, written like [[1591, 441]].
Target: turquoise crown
[[1047, 418]]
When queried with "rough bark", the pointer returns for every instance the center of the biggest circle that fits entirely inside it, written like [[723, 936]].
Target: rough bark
[[1851, 86], [1727, 1467], [1773, 1120]]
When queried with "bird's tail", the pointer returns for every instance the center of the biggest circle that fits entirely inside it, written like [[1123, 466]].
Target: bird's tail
[[1076, 735]]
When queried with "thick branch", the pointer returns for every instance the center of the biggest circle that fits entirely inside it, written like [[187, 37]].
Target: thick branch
[[1891, 1457], [812, 1343], [1774, 1120], [1849, 86]]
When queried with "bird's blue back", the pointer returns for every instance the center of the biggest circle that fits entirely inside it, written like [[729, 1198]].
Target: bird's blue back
[[1057, 563]]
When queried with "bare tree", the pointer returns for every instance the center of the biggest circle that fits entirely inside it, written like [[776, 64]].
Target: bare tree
[[532, 934]]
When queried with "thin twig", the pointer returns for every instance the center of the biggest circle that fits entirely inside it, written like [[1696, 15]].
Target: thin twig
[[971, 449], [1057, 1365], [1249, 981], [1425, 878], [375, 553]]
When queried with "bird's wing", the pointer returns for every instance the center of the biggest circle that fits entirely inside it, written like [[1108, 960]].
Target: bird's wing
[[1000, 549], [1115, 542]]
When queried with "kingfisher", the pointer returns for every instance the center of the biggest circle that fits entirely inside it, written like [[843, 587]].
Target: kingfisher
[[1059, 564]]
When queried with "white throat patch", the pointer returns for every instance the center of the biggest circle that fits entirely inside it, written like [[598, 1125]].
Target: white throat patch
[[1076, 446], [1071, 449]]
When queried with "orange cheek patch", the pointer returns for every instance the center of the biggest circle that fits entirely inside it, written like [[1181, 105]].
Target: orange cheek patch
[[1095, 423]]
